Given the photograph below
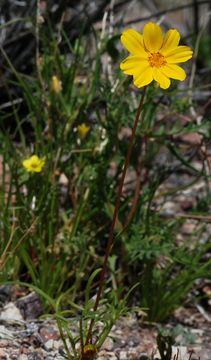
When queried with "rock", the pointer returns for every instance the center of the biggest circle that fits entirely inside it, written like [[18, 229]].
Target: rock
[[3, 355], [49, 333], [4, 343], [106, 355], [34, 356], [23, 357], [11, 312], [123, 355], [49, 345], [108, 344], [188, 228], [5, 293], [5, 334], [30, 306]]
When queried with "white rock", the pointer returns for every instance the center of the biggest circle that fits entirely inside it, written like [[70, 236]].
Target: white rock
[[123, 355], [108, 344], [5, 333], [11, 312], [49, 344], [23, 357]]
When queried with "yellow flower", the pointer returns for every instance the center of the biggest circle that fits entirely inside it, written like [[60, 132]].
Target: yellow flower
[[154, 56], [34, 164], [56, 85], [83, 130]]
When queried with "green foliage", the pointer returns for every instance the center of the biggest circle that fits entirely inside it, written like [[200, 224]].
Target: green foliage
[[204, 50], [166, 270]]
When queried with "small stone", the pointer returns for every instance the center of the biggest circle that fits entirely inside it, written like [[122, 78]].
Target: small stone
[[119, 332], [11, 312], [188, 228], [63, 180], [49, 333], [24, 350], [131, 343], [49, 344], [34, 356], [123, 355], [169, 208], [14, 357], [5, 334], [3, 355], [4, 343], [132, 354], [30, 306], [108, 344], [23, 357], [5, 293]]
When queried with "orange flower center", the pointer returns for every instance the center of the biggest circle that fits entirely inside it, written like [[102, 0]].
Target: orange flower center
[[34, 164], [156, 60]]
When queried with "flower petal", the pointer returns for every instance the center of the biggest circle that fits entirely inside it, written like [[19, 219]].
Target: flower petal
[[133, 65], [162, 79], [133, 41], [178, 55], [153, 37], [144, 78], [171, 40], [174, 72]]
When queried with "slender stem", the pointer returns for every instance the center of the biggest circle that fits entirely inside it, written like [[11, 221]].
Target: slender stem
[[115, 214]]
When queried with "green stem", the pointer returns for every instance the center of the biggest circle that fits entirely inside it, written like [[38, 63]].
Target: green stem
[[115, 214]]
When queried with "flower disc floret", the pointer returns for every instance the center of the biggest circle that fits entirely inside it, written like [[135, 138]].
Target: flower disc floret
[[157, 60], [154, 56]]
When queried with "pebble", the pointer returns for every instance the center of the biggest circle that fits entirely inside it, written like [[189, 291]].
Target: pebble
[[108, 344], [5, 333], [131, 343], [3, 354], [188, 228], [23, 357], [106, 355], [123, 355], [5, 292], [48, 333], [14, 357], [49, 344], [169, 208], [11, 312], [30, 306]]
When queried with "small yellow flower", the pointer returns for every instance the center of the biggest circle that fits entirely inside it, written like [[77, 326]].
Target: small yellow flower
[[154, 56], [34, 164], [83, 130], [56, 84]]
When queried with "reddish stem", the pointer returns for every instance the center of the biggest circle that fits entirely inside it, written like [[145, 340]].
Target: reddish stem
[[115, 214]]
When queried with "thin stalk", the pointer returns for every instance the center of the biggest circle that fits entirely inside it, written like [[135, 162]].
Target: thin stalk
[[115, 214]]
